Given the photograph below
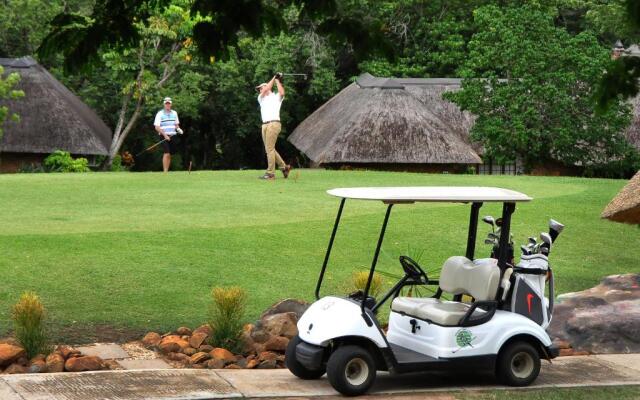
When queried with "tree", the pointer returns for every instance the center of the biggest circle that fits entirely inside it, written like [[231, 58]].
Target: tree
[[531, 85], [8, 91], [161, 56]]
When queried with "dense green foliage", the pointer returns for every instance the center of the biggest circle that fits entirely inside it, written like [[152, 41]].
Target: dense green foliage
[[531, 86], [122, 57], [8, 91], [61, 161], [142, 251]]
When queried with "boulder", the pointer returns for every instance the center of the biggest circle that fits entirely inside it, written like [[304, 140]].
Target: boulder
[[267, 356], [603, 319], [268, 364], [200, 357], [55, 362], [151, 339], [84, 363], [233, 366], [251, 364], [198, 339], [183, 331], [67, 351], [112, 365], [183, 359], [172, 344], [276, 343], [222, 354], [38, 366], [10, 353], [284, 324], [298, 307], [16, 369]]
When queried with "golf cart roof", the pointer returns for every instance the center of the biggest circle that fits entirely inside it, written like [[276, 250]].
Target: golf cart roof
[[446, 194]]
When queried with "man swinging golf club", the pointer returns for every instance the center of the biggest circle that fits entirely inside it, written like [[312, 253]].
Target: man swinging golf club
[[270, 103], [167, 125]]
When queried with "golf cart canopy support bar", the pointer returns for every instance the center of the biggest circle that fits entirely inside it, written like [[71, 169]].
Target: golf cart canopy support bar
[[473, 230], [328, 253]]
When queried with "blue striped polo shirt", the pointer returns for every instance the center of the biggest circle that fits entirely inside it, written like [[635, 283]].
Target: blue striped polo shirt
[[167, 121]]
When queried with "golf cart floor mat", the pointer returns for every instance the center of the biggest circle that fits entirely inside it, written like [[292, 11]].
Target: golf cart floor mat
[[408, 356]]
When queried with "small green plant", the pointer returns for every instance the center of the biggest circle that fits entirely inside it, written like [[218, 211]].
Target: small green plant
[[61, 161], [226, 314], [359, 282], [28, 316]]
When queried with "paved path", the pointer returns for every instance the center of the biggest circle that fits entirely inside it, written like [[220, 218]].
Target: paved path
[[207, 384]]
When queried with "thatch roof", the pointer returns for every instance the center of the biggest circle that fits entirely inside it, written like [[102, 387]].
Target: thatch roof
[[625, 207], [51, 116], [380, 120]]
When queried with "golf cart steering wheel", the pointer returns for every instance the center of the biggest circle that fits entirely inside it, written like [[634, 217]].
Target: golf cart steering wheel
[[413, 269]]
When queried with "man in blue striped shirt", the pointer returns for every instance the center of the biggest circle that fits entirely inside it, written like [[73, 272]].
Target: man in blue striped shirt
[[167, 125]]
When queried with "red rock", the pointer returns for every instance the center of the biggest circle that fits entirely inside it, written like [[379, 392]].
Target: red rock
[[297, 307], [151, 339], [200, 357], [172, 344], [215, 364], [84, 363], [16, 369], [24, 361], [206, 348], [206, 329], [222, 354], [10, 353], [38, 366], [189, 351], [183, 331], [233, 366], [67, 352], [562, 344], [198, 339], [268, 364], [199, 366], [284, 324], [184, 359], [251, 364], [277, 343], [267, 356], [580, 353], [55, 362], [112, 365]]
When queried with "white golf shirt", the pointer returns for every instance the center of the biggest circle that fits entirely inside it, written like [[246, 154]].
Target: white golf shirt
[[270, 106], [167, 121]]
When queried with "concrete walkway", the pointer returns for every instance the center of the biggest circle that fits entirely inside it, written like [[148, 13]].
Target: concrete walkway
[[172, 384]]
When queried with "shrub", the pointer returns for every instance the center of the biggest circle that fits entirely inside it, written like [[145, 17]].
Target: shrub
[[61, 161], [226, 313], [359, 282], [28, 316]]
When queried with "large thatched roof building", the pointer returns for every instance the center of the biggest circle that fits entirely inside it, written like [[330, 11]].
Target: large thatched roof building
[[51, 118], [625, 207], [389, 123]]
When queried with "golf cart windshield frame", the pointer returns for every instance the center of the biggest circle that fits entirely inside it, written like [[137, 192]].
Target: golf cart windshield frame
[[508, 208]]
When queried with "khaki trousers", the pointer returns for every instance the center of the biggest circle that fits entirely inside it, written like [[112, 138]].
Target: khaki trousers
[[270, 134]]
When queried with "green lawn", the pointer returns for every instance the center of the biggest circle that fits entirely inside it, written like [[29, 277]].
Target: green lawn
[[138, 251]]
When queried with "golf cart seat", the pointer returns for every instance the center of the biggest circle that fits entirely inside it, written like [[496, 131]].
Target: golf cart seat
[[459, 275]]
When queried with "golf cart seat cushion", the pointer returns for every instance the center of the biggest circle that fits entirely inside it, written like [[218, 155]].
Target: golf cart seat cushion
[[410, 305], [447, 313], [478, 279]]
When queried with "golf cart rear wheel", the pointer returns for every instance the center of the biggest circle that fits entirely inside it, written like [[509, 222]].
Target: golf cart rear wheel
[[351, 370], [295, 367], [518, 364]]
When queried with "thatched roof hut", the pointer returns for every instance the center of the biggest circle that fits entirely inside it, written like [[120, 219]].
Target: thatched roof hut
[[388, 121], [51, 118], [625, 207]]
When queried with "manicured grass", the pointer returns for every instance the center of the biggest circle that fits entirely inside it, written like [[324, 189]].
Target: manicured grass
[[142, 251]]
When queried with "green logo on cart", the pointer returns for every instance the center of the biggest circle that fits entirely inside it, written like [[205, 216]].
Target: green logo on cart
[[464, 338]]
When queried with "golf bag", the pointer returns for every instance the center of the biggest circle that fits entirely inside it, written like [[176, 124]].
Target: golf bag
[[530, 278]]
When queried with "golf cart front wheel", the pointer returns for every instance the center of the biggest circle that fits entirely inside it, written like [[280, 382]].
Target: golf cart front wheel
[[518, 364], [295, 367], [351, 370]]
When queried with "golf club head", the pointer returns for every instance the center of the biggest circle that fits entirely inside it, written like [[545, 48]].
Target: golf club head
[[489, 241], [532, 241], [525, 250], [555, 228], [489, 220], [546, 238], [493, 235]]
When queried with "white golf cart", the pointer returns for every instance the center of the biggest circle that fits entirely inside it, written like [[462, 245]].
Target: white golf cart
[[501, 329]]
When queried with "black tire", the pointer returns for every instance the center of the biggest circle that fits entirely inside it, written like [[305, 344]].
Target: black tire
[[295, 367], [518, 364], [351, 370]]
